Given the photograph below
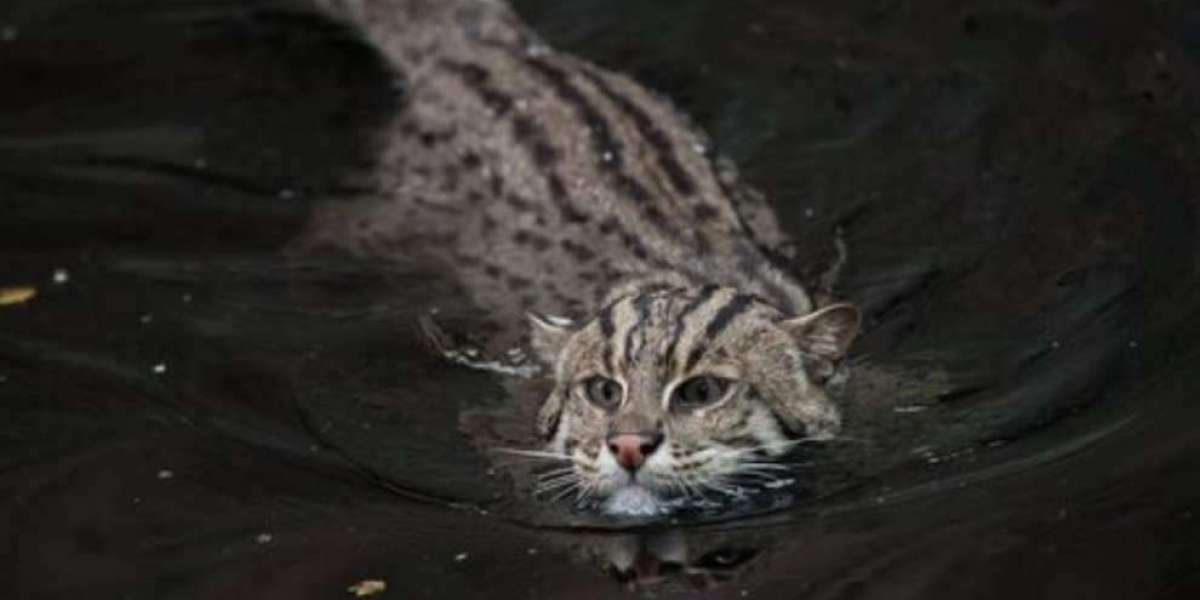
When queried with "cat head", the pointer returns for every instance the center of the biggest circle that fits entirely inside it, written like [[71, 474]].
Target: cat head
[[679, 392]]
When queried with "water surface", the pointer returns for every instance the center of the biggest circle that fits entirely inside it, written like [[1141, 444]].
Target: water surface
[[187, 411]]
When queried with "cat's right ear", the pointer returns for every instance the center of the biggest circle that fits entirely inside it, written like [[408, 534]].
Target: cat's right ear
[[825, 333], [548, 335]]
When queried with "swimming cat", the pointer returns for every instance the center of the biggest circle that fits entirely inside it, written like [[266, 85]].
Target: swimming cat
[[683, 356]]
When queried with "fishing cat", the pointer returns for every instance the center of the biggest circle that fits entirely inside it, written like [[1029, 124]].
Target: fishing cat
[[682, 355]]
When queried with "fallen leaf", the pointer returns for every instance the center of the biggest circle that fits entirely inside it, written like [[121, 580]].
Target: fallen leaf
[[367, 587], [16, 295]]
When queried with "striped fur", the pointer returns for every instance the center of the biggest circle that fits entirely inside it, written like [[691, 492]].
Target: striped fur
[[651, 342], [547, 184]]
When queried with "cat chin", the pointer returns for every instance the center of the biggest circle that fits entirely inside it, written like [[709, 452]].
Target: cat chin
[[634, 501]]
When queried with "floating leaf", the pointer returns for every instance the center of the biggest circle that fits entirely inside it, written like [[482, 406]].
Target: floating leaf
[[368, 587], [16, 295]]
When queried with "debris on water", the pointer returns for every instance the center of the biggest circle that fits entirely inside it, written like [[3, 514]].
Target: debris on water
[[367, 587], [699, 148], [909, 408], [146, 318], [1133, 344], [461, 556], [187, 298], [809, 213], [778, 483], [165, 474], [531, 551], [469, 359], [200, 163], [159, 368], [16, 295], [264, 538], [9, 33], [60, 276], [287, 194]]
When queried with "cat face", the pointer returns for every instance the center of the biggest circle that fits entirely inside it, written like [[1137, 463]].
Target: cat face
[[681, 392]]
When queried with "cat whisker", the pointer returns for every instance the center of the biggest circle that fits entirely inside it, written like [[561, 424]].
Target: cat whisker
[[537, 454], [557, 472], [693, 487], [684, 487], [720, 486], [545, 480], [556, 487], [766, 466], [557, 481], [585, 492], [573, 486], [672, 485], [758, 474]]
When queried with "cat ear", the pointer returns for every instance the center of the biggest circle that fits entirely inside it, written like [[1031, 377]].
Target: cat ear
[[825, 333], [548, 335]]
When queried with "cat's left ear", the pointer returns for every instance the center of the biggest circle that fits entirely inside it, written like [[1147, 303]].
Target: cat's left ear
[[548, 335], [825, 333]]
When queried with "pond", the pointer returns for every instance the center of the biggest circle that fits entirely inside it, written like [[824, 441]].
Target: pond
[[188, 409]]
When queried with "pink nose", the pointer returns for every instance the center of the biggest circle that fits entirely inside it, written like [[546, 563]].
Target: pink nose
[[631, 449]]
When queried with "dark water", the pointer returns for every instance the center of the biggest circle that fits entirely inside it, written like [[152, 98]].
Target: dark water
[[185, 413]]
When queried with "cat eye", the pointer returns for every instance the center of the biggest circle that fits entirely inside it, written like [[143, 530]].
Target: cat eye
[[602, 392], [699, 391]]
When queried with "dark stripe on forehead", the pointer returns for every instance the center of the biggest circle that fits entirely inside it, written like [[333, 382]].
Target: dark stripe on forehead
[[607, 328], [736, 306], [642, 304], [705, 294]]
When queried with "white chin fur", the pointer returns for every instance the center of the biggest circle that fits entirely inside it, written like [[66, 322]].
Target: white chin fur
[[633, 501]]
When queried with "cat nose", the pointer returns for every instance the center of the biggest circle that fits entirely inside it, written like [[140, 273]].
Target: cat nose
[[631, 449]]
